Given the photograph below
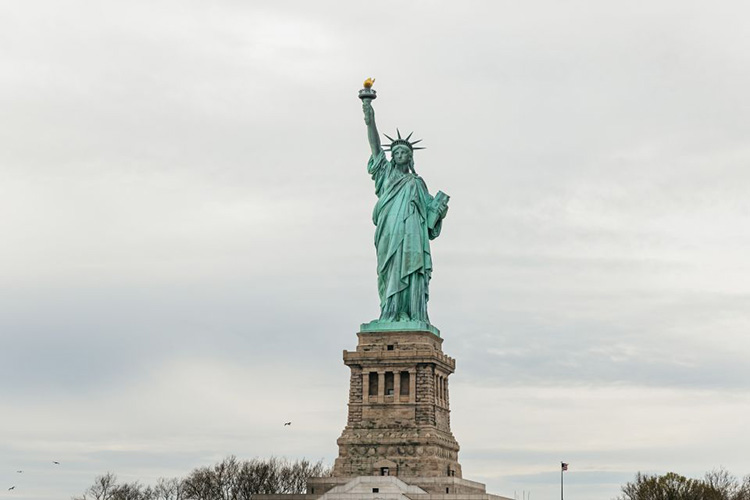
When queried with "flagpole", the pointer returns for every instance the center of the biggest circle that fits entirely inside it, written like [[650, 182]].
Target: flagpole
[[561, 482]]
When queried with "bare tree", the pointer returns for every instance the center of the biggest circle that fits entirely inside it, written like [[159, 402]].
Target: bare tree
[[168, 489], [716, 485], [233, 480], [102, 488], [199, 485], [744, 491], [131, 491], [229, 479]]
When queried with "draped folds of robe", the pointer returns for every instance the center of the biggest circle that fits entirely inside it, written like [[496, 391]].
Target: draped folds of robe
[[402, 241]]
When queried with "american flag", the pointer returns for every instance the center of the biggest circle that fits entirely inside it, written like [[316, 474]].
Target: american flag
[[564, 466]]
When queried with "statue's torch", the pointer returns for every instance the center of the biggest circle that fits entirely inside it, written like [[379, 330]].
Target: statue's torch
[[368, 94]]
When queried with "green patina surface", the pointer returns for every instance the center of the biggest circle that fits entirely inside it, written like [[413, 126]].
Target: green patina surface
[[398, 326], [406, 217]]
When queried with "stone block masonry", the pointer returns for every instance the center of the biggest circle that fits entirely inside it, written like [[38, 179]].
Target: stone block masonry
[[399, 414]]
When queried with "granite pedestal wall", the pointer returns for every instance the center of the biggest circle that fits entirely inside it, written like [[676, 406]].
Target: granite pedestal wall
[[399, 408]]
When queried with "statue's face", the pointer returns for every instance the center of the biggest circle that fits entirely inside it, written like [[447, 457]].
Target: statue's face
[[401, 156]]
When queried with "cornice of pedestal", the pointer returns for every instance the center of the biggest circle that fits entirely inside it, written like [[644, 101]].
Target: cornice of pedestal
[[401, 357]]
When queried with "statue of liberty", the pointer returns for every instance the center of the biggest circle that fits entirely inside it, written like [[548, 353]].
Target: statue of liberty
[[406, 217]]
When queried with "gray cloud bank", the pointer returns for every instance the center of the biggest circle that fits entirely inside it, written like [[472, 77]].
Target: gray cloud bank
[[186, 211]]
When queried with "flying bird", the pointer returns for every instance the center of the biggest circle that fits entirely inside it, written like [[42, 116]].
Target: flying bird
[[56, 463], [287, 423], [12, 488], [19, 471]]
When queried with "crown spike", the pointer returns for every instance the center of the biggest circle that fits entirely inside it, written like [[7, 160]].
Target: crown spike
[[401, 141]]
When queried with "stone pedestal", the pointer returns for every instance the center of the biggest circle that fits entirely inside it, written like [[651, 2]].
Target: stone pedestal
[[397, 443], [399, 408]]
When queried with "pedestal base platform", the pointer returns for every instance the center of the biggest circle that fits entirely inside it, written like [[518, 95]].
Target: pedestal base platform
[[389, 488]]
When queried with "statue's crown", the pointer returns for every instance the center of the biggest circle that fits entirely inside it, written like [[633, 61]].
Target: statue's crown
[[402, 142]]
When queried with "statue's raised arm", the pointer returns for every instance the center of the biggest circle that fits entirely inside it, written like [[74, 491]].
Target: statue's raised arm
[[372, 130], [368, 94]]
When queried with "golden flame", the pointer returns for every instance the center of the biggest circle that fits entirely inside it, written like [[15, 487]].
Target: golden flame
[[368, 83]]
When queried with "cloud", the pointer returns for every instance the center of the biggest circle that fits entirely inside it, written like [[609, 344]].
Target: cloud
[[186, 217]]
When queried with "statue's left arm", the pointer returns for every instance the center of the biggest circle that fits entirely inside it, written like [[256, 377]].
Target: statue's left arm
[[436, 212], [434, 231]]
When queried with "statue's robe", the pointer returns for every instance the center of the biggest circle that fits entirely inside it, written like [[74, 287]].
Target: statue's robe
[[402, 241]]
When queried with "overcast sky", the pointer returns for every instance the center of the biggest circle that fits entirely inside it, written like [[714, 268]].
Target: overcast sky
[[187, 243]]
